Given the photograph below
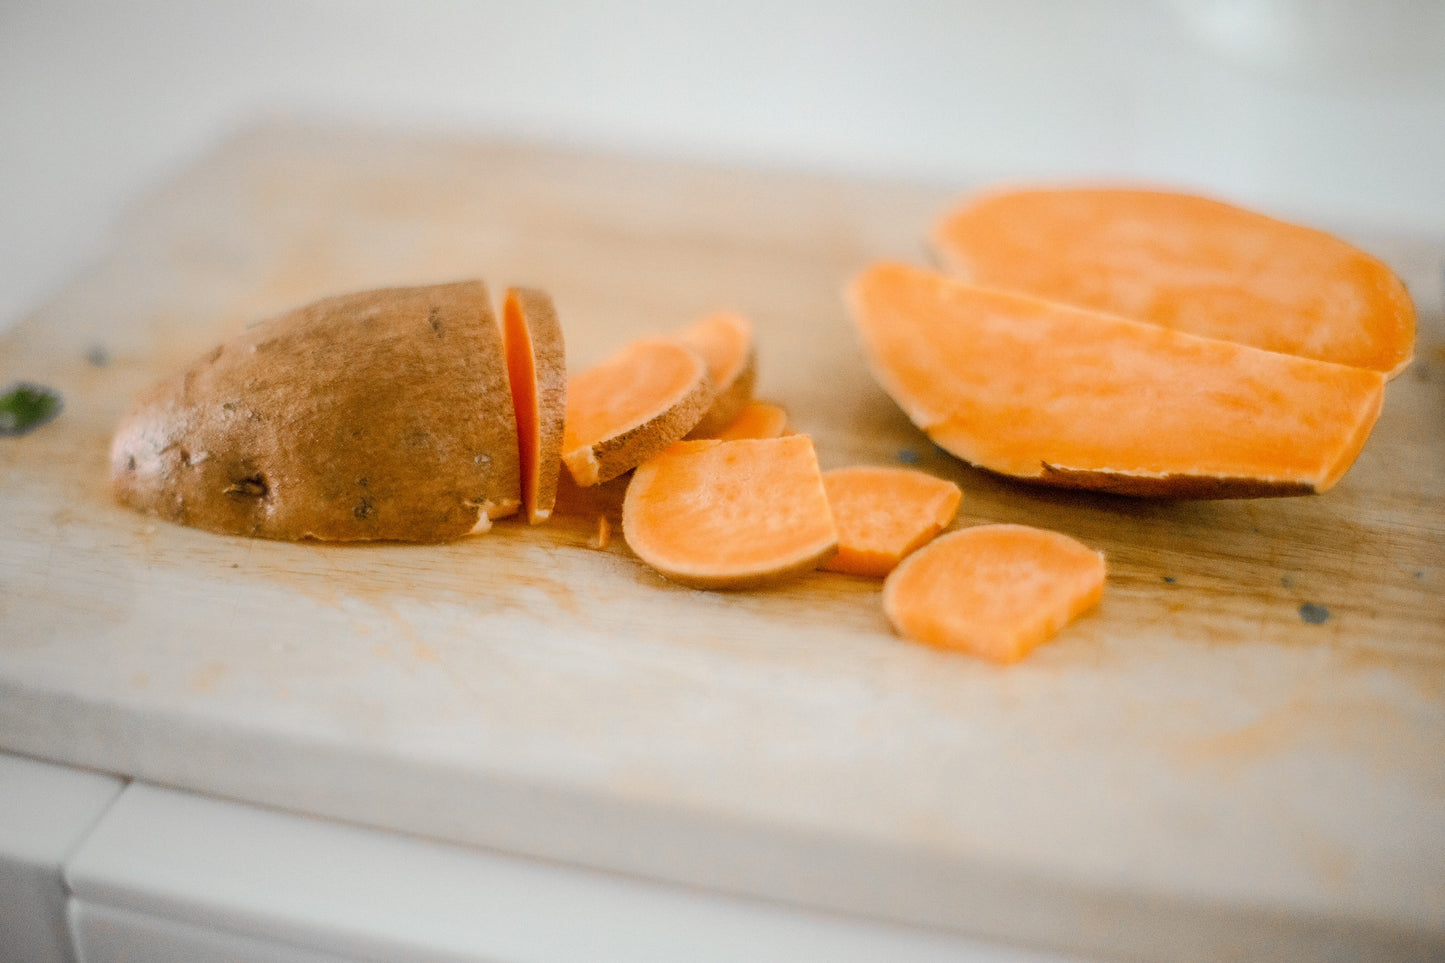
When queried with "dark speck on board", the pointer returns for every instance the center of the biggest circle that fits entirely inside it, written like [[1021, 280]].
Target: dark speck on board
[[98, 356], [907, 456], [1169, 579], [1314, 614]]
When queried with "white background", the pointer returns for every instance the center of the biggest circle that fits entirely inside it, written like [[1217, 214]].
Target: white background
[[1332, 111]]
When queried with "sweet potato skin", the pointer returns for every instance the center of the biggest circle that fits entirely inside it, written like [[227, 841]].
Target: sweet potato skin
[[594, 461], [379, 415]]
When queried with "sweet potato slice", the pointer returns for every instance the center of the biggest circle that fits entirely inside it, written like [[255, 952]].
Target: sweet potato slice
[[730, 514], [379, 415], [996, 591], [537, 364], [1189, 263], [632, 406], [758, 419], [725, 341], [884, 514], [1065, 396]]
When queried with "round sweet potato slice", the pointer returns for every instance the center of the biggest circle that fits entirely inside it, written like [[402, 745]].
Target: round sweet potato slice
[[725, 341], [631, 406], [730, 514], [995, 591], [885, 513]]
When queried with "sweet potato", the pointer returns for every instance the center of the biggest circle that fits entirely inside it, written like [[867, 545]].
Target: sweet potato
[[758, 419], [379, 415], [996, 591], [631, 406], [1066, 396], [1188, 263], [725, 341], [537, 368], [730, 514], [885, 513]]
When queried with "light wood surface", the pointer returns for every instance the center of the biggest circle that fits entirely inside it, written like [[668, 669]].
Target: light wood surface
[[1192, 769]]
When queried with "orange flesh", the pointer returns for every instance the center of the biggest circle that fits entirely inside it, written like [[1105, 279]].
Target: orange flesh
[[730, 514], [883, 514], [1187, 263], [724, 340], [539, 427], [1027, 387], [995, 591], [758, 419], [638, 384]]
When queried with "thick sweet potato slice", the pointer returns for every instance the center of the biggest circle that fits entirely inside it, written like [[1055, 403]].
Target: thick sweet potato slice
[[1060, 395], [730, 514], [996, 591], [1188, 263], [758, 419], [537, 363], [884, 514], [632, 406], [725, 341], [379, 415]]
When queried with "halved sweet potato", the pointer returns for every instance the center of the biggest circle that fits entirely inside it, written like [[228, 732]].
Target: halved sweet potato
[[995, 591], [1188, 263], [1065, 396], [631, 406], [730, 514], [379, 415], [725, 341]]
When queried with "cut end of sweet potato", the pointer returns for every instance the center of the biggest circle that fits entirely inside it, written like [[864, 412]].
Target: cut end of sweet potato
[[1061, 395], [758, 419], [883, 514], [537, 365], [730, 514], [1189, 263], [632, 406], [994, 591], [725, 341]]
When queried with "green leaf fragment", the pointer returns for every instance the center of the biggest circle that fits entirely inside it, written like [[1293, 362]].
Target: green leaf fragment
[[25, 407]]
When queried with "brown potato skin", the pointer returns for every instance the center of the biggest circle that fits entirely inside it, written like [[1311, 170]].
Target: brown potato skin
[[385, 414]]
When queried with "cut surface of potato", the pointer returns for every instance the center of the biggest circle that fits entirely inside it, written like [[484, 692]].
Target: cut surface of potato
[[537, 365], [631, 406], [995, 591], [1065, 396], [1189, 263], [730, 514], [380, 415], [885, 513]]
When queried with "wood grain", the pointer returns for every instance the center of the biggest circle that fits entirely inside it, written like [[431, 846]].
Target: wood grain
[[1243, 743]]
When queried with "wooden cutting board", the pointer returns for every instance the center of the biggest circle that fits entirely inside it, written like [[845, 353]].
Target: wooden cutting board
[[1244, 743]]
